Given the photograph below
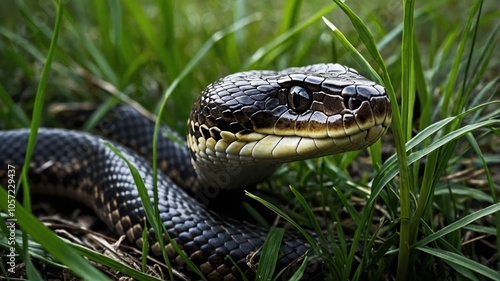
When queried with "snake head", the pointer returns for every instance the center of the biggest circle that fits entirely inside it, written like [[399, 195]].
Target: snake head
[[269, 117]]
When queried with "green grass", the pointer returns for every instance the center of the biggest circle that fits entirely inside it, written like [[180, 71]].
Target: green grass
[[438, 61]]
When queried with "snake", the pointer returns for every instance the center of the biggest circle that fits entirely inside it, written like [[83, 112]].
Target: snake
[[241, 128]]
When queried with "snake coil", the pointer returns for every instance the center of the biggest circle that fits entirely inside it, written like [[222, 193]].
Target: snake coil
[[241, 128]]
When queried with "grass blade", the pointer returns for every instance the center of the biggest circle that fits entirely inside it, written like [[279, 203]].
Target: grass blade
[[407, 102], [297, 276], [111, 263], [35, 123], [462, 262], [270, 251], [358, 58], [458, 224], [400, 138], [287, 218]]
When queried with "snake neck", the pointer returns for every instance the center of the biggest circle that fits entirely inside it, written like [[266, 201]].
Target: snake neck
[[230, 176]]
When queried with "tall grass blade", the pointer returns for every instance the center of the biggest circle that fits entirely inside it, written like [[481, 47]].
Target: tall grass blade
[[270, 251], [351, 50], [35, 123], [287, 218], [458, 224], [462, 262], [407, 104], [111, 263], [297, 276], [451, 105], [400, 138]]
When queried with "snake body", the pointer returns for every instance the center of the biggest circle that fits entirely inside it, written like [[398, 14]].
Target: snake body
[[241, 128]]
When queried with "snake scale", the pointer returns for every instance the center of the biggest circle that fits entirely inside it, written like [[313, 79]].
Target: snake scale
[[241, 128]]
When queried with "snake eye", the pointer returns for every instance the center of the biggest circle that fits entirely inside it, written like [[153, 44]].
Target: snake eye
[[299, 99]]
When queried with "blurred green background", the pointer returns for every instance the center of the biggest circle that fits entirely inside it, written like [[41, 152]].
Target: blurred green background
[[141, 47]]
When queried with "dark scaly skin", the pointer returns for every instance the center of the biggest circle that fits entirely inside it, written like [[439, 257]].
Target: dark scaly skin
[[77, 165], [127, 126]]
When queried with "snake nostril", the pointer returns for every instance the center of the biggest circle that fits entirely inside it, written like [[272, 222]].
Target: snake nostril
[[352, 103]]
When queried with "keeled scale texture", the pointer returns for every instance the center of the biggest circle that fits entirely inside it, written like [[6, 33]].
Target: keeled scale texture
[[78, 165]]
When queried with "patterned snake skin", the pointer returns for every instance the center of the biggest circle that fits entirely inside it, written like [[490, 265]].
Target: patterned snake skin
[[78, 165]]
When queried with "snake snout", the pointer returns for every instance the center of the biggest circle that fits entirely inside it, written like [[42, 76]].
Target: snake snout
[[354, 95]]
